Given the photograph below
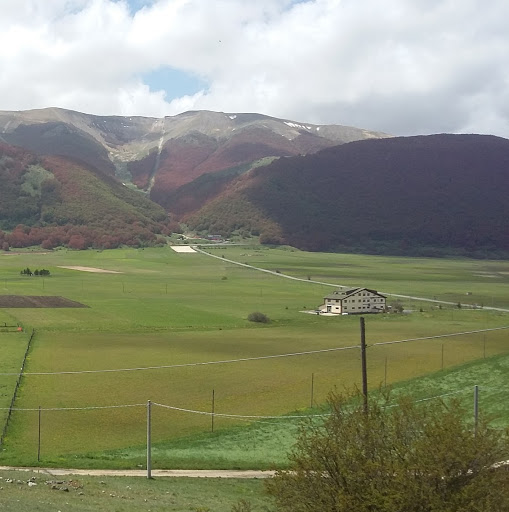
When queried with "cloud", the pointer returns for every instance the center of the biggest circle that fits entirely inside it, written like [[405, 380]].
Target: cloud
[[401, 67]]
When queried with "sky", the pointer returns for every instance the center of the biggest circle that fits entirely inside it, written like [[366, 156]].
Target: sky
[[404, 67]]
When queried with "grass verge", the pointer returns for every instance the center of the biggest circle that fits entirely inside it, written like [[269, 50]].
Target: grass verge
[[127, 494]]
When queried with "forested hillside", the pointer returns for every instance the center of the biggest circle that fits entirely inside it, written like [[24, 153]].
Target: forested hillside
[[57, 201], [406, 195]]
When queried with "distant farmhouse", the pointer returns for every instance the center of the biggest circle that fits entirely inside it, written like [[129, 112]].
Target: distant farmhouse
[[356, 300]]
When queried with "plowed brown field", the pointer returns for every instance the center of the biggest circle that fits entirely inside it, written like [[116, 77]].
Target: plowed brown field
[[34, 301]]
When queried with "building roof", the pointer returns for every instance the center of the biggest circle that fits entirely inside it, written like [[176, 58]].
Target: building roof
[[343, 294]]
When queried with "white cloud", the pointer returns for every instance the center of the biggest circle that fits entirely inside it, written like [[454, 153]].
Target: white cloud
[[398, 66]]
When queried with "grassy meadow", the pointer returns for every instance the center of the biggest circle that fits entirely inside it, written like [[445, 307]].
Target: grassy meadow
[[163, 308]]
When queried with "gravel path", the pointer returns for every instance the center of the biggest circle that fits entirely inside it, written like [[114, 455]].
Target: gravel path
[[278, 274]]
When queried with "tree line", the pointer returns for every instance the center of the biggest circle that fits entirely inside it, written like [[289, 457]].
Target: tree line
[[36, 272]]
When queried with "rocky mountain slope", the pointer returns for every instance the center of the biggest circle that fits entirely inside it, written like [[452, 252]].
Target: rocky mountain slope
[[161, 155]]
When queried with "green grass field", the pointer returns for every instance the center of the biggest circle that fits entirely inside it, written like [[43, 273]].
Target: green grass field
[[265, 444], [167, 309]]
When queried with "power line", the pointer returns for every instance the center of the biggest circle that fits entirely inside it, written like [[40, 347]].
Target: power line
[[182, 365], [93, 407], [257, 358], [438, 336]]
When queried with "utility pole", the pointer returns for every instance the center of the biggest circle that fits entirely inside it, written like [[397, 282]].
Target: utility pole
[[364, 365]]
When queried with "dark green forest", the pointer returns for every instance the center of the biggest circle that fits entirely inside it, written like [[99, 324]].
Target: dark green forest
[[427, 195]]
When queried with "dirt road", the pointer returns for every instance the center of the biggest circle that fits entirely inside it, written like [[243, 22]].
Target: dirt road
[[156, 473]]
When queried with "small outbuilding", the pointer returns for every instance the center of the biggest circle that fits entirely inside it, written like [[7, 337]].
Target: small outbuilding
[[354, 301]]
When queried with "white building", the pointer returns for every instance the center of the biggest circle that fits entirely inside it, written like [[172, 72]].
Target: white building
[[354, 301]]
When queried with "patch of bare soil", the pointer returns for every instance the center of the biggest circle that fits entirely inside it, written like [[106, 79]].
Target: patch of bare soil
[[34, 301], [90, 269]]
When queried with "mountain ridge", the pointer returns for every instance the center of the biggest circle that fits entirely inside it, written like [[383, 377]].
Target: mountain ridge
[[284, 181], [158, 155]]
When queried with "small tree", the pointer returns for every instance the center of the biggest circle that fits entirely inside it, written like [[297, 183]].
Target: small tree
[[397, 307], [408, 458]]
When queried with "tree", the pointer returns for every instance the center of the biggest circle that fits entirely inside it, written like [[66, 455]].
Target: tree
[[405, 458], [397, 307], [77, 242]]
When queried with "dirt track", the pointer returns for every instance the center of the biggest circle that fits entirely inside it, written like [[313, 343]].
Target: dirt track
[[156, 473], [90, 269]]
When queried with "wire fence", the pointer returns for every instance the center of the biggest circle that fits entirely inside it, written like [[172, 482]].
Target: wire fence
[[291, 419], [212, 413], [16, 388]]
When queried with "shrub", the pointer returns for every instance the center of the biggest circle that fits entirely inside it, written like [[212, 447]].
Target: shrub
[[258, 317]]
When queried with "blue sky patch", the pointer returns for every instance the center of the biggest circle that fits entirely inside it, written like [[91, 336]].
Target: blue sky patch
[[136, 5], [174, 82]]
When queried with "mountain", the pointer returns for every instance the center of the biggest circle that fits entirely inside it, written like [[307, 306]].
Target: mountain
[[315, 187], [424, 195], [162, 155], [49, 200]]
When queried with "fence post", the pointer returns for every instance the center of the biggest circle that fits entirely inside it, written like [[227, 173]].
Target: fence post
[[476, 408], [149, 441], [213, 410], [312, 388], [39, 439]]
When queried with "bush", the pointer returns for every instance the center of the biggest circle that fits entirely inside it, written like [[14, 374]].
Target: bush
[[258, 317], [415, 457]]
